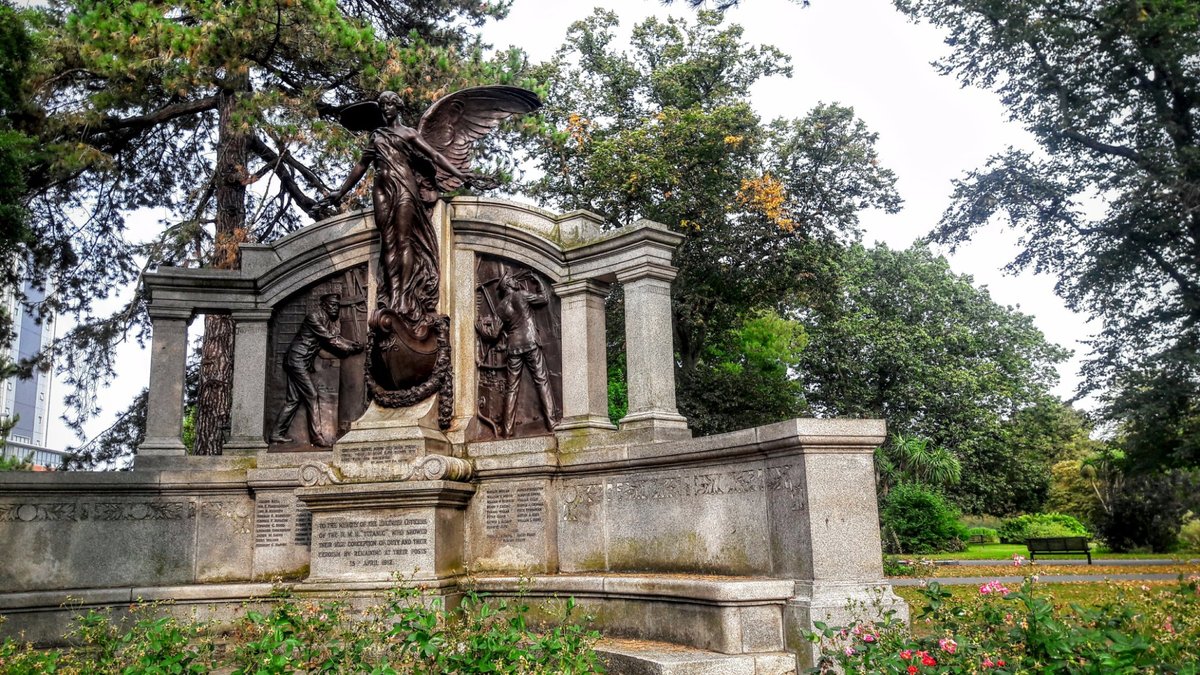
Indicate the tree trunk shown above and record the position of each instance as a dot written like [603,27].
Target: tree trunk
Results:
[213,399]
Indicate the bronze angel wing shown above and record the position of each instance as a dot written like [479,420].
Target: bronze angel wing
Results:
[362,116]
[455,121]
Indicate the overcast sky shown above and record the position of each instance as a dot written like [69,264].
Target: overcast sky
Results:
[860,53]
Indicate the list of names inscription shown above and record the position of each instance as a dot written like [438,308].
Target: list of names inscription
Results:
[514,514]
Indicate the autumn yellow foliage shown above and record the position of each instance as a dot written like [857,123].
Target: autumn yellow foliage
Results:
[766,195]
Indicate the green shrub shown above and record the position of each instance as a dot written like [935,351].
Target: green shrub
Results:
[916,519]
[1023,630]
[986,534]
[1017,530]
[406,634]
[1147,511]
[1189,534]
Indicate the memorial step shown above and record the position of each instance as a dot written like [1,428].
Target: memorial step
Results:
[644,657]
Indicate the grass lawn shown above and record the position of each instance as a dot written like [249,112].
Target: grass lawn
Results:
[1006,551]
[1084,594]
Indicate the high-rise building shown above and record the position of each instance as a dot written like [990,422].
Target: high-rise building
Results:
[28,399]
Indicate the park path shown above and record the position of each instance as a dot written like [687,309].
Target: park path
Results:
[1074,561]
[1042,578]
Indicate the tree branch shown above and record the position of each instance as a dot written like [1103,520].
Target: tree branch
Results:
[1119,150]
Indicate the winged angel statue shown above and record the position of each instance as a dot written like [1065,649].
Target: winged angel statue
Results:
[409,343]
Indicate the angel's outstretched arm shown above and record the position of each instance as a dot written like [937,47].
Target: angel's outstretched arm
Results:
[356,175]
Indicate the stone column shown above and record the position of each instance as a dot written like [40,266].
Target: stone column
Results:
[461,280]
[584,370]
[649,348]
[249,382]
[164,406]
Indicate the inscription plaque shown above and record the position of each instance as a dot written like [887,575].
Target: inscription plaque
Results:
[514,514]
[384,543]
[272,523]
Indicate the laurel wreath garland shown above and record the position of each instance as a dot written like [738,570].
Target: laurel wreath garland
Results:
[441,382]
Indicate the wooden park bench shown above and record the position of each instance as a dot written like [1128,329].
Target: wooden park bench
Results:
[1058,545]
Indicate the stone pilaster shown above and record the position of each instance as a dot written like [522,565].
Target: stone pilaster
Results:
[249,382]
[461,279]
[164,406]
[584,370]
[649,349]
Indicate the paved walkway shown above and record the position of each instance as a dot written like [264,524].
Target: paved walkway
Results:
[1042,578]
[1074,561]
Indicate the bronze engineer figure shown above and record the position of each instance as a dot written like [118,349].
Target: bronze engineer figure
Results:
[516,323]
[318,331]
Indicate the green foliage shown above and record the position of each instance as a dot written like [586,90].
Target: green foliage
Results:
[986,535]
[747,375]
[1024,631]
[663,131]
[1147,511]
[1111,93]
[1071,492]
[909,341]
[188,434]
[909,459]
[405,634]
[1017,530]
[13,463]
[1189,534]
[918,520]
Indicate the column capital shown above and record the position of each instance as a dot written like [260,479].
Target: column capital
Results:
[647,270]
[580,287]
[170,312]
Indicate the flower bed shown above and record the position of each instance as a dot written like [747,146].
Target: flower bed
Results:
[998,629]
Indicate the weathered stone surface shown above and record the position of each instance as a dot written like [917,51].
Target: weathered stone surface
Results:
[509,527]
[639,657]
[710,613]
[79,530]
[382,440]
[246,416]
[376,531]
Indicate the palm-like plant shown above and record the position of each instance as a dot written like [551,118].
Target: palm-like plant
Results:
[913,459]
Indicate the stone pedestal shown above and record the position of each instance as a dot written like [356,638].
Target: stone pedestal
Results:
[386,442]
[365,532]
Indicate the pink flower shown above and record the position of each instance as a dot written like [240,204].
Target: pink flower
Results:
[993,587]
[869,637]
[1018,559]
[906,654]
[948,645]
[988,662]
[850,651]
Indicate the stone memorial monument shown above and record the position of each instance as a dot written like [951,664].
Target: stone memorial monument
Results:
[420,393]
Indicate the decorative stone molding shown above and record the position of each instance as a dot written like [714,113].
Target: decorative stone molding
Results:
[317,473]
[437,467]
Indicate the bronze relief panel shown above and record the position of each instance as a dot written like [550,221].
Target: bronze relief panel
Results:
[315,383]
[518,352]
